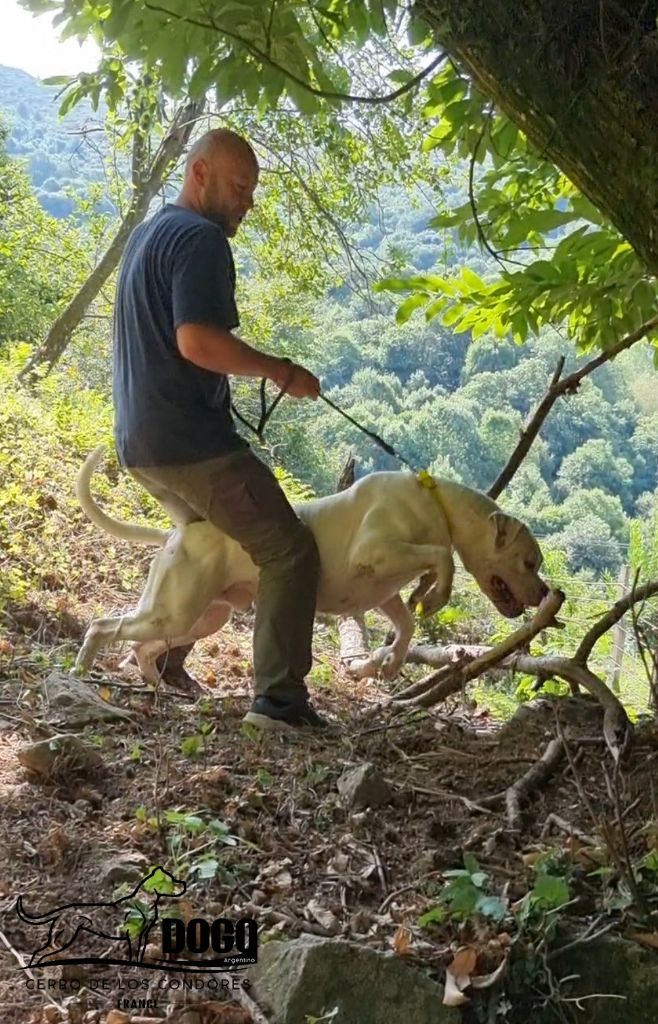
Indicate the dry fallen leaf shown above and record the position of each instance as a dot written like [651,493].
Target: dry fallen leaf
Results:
[324,917]
[464,961]
[105,693]
[458,976]
[117,1017]
[487,980]
[402,940]
[644,938]
[452,994]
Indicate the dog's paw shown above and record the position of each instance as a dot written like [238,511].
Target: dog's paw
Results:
[388,660]
[436,599]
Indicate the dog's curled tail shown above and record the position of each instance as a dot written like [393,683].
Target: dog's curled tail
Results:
[122,531]
[34,918]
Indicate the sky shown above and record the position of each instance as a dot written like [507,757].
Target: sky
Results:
[31,44]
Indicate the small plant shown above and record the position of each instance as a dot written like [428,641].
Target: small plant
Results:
[322,673]
[194,746]
[466,895]
[186,835]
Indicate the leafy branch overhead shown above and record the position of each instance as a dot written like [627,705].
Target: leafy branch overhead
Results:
[254,51]
[560,260]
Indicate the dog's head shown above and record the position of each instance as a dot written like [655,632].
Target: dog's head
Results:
[507,568]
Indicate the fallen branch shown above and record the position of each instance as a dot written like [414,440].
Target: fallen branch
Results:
[520,791]
[462,663]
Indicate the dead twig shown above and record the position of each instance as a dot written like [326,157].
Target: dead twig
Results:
[565,826]
[18,956]
[535,777]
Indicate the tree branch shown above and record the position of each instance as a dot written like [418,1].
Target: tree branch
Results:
[617,612]
[568,385]
[263,56]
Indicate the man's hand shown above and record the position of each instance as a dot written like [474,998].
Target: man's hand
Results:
[297,380]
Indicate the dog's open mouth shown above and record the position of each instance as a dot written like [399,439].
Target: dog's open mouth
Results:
[504,599]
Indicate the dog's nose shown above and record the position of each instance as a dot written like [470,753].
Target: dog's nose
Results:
[544,589]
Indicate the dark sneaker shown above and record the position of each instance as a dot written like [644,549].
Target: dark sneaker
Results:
[270,713]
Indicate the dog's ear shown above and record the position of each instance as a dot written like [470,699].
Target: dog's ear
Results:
[503,525]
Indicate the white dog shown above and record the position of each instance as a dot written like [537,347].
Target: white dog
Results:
[374,538]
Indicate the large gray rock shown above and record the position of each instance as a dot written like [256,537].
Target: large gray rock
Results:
[312,976]
[363,787]
[609,967]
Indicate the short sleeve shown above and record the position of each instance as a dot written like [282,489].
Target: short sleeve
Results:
[203,282]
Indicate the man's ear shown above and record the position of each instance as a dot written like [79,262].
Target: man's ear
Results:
[502,523]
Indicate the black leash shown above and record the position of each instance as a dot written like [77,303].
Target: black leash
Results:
[266,413]
[384,445]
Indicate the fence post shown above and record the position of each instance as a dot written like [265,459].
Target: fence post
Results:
[619,632]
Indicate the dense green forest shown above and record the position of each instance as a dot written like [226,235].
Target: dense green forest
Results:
[62,156]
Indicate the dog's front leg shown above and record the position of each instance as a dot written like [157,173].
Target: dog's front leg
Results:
[389,659]
[438,595]
[393,656]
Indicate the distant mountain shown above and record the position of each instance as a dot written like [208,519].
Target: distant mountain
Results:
[58,157]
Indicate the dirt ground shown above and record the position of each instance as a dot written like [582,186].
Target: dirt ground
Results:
[290,853]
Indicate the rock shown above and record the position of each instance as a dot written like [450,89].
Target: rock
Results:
[59,756]
[312,976]
[124,867]
[117,1017]
[609,966]
[363,787]
[324,917]
[75,703]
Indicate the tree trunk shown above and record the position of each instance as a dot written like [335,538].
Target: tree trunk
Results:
[146,183]
[581,80]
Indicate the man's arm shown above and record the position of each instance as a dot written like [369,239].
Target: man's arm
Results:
[219,350]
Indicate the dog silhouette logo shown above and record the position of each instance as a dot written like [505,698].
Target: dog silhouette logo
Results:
[119,931]
[126,923]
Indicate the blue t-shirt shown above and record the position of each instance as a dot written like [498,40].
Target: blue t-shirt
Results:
[177,268]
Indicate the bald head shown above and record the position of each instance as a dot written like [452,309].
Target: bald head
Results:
[221,145]
[221,174]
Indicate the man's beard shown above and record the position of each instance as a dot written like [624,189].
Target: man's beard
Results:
[219,216]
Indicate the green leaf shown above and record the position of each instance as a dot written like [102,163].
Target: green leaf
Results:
[491,906]
[58,80]
[206,868]
[470,863]
[160,882]
[400,77]
[434,916]
[418,30]
[551,891]
[409,305]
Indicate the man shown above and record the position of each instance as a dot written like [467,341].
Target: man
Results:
[174,349]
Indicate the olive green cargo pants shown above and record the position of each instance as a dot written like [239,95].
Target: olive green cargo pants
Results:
[240,496]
